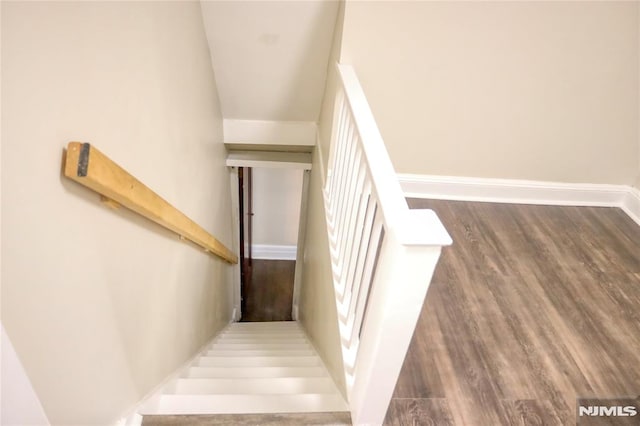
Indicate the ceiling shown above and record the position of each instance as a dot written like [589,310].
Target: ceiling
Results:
[270,57]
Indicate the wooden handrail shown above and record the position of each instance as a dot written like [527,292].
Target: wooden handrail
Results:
[91,168]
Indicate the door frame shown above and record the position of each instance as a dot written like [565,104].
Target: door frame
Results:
[235,229]
[302,231]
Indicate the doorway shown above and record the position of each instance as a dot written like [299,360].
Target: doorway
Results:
[270,201]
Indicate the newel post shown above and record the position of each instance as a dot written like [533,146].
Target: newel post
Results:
[403,274]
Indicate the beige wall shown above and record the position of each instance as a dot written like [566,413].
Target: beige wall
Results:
[317,304]
[276,206]
[325,120]
[101,305]
[523,90]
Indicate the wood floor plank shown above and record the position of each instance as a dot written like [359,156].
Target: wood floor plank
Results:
[420,411]
[532,413]
[269,292]
[530,308]
[290,419]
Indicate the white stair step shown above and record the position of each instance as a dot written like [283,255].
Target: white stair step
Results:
[256,372]
[247,404]
[272,329]
[256,361]
[270,385]
[265,338]
[260,352]
[290,335]
[277,330]
[247,335]
[252,368]
[260,342]
[272,325]
[258,346]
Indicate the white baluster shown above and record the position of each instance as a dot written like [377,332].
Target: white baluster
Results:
[383,254]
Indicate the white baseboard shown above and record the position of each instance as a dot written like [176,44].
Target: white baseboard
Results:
[273,252]
[294,313]
[631,204]
[522,192]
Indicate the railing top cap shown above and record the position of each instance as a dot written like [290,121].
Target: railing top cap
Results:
[422,228]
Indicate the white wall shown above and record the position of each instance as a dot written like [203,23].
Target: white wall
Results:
[259,132]
[270,56]
[102,305]
[276,206]
[523,90]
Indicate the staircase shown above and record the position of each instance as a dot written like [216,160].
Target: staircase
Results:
[249,368]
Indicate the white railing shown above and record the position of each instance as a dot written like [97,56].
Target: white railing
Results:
[383,254]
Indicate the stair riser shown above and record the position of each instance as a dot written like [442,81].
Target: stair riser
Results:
[261,339]
[262,326]
[259,346]
[254,353]
[252,361]
[252,368]
[264,386]
[282,338]
[256,372]
[252,332]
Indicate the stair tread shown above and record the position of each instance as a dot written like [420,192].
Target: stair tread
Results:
[252,368]
[258,338]
[340,418]
[264,324]
[232,341]
[258,361]
[230,404]
[258,346]
[291,335]
[259,352]
[261,339]
[272,329]
[276,327]
[252,385]
[256,372]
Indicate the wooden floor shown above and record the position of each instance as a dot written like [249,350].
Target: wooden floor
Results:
[531,307]
[269,293]
[293,419]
